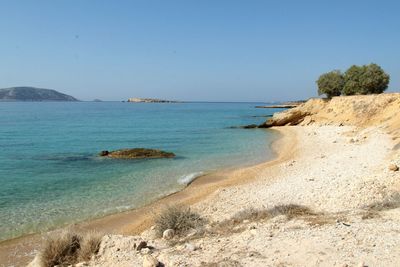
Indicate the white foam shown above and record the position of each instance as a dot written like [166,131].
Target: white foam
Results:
[187,179]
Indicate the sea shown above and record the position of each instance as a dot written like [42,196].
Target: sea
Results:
[51,174]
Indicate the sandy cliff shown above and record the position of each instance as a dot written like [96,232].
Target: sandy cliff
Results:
[363,111]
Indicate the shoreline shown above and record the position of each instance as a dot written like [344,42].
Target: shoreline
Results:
[21,250]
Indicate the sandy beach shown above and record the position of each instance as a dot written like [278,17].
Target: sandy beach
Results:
[338,186]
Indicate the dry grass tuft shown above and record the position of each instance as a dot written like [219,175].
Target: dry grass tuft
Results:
[61,249]
[250,214]
[291,211]
[369,214]
[179,219]
[90,245]
[68,248]
[392,202]
[224,263]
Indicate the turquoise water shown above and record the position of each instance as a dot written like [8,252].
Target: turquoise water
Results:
[50,174]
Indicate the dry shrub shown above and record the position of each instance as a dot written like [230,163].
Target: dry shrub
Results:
[68,248]
[90,245]
[291,211]
[224,263]
[250,214]
[61,249]
[179,219]
[391,202]
[369,214]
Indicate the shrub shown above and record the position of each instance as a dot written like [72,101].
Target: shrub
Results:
[68,248]
[179,219]
[331,83]
[60,249]
[291,211]
[90,245]
[366,79]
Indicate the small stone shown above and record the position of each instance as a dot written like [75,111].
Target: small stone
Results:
[150,261]
[361,264]
[81,264]
[393,167]
[190,247]
[142,245]
[145,251]
[191,233]
[168,234]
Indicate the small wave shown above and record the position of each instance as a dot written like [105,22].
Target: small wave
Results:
[187,179]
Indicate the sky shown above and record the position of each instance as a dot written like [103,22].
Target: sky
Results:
[193,50]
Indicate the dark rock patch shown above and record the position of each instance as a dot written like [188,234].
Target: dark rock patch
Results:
[136,153]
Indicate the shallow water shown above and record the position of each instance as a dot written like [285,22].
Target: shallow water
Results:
[50,174]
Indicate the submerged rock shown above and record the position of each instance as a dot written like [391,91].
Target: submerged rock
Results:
[136,153]
[250,126]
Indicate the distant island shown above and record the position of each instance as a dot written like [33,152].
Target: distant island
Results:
[33,94]
[151,100]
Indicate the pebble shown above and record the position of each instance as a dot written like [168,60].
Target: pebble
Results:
[190,247]
[150,261]
[393,167]
[168,234]
[145,251]
[142,245]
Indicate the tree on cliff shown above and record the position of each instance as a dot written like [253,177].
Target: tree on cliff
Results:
[331,83]
[366,79]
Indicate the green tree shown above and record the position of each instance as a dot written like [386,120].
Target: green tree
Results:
[331,83]
[366,79]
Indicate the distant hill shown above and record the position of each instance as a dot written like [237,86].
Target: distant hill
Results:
[33,94]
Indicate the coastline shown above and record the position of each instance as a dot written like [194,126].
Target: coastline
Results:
[328,170]
[21,250]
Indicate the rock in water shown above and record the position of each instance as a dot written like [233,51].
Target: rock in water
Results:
[103,153]
[136,153]
[250,126]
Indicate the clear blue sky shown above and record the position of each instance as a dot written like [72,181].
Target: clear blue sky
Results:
[193,50]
